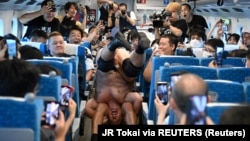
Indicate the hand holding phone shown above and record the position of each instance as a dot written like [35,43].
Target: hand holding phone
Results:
[12,48]
[162,92]
[52,113]
[66,93]
[196,110]
[219,56]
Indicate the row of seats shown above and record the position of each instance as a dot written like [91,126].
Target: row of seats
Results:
[205,72]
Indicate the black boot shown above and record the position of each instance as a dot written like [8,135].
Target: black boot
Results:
[144,43]
[119,41]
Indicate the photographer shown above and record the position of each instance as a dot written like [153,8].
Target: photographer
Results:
[125,19]
[43,19]
[174,25]
[108,14]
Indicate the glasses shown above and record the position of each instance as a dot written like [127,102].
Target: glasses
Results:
[208,50]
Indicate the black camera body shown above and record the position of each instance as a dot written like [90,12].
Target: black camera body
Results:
[124,12]
[158,18]
[111,7]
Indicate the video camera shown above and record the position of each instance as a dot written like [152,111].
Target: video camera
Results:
[158,18]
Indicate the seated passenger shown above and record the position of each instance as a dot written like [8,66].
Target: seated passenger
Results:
[116,72]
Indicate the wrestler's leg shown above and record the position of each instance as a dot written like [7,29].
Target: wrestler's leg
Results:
[136,100]
[101,112]
[90,108]
[119,40]
[129,115]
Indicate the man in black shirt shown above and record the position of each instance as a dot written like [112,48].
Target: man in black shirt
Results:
[43,19]
[193,21]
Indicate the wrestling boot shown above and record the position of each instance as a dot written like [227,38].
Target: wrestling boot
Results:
[144,43]
[119,41]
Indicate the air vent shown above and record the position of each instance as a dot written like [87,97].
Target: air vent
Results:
[225,10]
[198,10]
[205,10]
[20,1]
[31,2]
[214,10]
[238,10]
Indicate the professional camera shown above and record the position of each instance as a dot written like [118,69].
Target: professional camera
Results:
[123,12]
[111,7]
[158,18]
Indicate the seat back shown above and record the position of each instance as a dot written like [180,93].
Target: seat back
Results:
[158,61]
[18,113]
[41,46]
[227,91]
[229,61]
[50,86]
[237,74]
[21,134]
[214,110]
[65,67]
[203,72]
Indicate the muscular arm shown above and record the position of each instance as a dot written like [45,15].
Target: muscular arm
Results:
[99,115]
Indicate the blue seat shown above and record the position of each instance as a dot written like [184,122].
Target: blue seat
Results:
[246,86]
[79,50]
[41,46]
[214,110]
[229,61]
[203,72]
[228,91]
[237,74]
[50,86]
[65,67]
[158,61]
[74,60]
[18,113]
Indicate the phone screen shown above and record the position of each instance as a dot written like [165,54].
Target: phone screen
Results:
[66,94]
[219,56]
[196,110]
[52,113]
[162,91]
[12,49]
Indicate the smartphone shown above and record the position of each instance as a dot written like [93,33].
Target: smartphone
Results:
[52,113]
[219,56]
[196,110]
[12,48]
[162,91]
[66,94]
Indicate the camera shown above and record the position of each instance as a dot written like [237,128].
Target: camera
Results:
[111,7]
[158,18]
[123,12]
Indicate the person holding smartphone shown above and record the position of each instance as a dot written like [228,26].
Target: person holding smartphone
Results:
[214,48]
[180,95]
